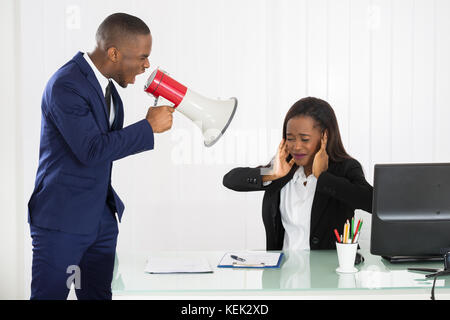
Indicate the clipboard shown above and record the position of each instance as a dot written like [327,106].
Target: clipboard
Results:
[253,260]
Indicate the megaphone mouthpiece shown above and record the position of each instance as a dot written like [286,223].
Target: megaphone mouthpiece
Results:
[161,84]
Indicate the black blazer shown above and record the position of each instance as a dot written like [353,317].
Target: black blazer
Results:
[339,191]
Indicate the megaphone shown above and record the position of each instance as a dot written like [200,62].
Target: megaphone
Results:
[212,116]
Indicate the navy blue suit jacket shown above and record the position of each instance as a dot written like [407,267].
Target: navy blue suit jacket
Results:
[77,148]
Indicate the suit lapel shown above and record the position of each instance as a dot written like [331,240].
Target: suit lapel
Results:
[90,76]
[320,201]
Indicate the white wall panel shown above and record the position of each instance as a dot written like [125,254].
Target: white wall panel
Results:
[442,89]
[11,228]
[317,46]
[402,80]
[424,81]
[339,61]
[380,28]
[359,143]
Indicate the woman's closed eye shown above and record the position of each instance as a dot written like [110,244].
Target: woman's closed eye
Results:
[293,139]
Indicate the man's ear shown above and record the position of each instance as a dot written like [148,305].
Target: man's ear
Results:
[113,54]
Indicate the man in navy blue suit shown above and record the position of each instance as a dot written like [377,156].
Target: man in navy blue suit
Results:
[72,210]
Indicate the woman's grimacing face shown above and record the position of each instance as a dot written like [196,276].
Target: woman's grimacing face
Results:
[303,140]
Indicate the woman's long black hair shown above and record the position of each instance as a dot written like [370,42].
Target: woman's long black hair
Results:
[322,113]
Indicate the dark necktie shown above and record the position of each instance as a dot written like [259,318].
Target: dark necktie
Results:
[108,98]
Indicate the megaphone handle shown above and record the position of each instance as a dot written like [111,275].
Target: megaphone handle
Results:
[156,101]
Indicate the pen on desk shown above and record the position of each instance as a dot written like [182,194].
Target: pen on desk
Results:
[237,258]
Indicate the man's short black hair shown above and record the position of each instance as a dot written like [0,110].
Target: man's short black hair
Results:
[118,27]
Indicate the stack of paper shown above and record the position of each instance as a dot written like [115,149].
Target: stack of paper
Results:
[157,264]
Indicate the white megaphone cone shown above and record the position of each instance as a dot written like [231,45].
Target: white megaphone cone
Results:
[212,116]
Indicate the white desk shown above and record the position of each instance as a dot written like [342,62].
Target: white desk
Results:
[306,275]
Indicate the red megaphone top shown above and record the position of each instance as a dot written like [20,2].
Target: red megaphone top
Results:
[160,84]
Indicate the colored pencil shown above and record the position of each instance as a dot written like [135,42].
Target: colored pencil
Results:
[352,228]
[337,235]
[346,231]
[358,226]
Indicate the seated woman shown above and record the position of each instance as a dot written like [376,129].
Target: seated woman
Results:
[312,186]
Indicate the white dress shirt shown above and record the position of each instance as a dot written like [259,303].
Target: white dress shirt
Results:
[103,81]
[296,201]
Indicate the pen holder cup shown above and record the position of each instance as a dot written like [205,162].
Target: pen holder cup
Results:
[346,253]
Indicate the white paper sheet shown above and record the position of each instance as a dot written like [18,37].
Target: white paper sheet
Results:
[156,264]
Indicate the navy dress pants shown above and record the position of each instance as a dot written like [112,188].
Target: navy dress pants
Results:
[87,261]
